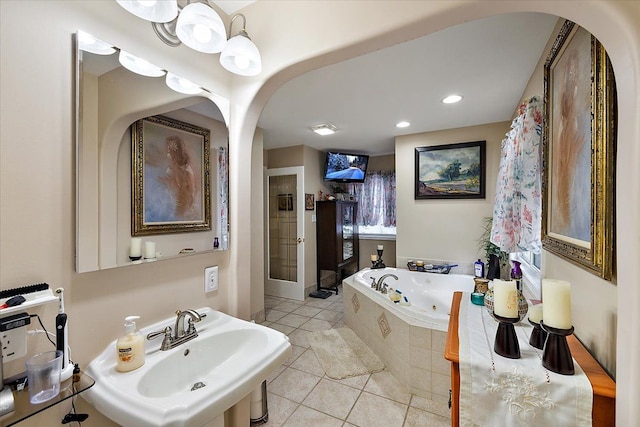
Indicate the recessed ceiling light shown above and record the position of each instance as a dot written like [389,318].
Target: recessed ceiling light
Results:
[403,124]
[324,129]
[451,99]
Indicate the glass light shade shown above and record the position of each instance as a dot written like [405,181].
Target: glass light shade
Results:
[139,65]
[152,10]
[452,99]
[201,28]
[182,85]
[91,44]
[241,56]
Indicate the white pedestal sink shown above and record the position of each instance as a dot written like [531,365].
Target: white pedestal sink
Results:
[192,384]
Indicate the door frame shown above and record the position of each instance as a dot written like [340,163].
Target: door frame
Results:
[277,287]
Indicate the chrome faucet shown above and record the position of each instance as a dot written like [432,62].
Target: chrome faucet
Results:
[380,285]
[179,335]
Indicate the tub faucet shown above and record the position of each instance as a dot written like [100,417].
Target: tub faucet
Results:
[380,283]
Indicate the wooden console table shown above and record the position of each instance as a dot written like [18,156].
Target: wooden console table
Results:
[604,388]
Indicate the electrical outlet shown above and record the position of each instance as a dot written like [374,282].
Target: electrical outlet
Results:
[211,279]
[14,344]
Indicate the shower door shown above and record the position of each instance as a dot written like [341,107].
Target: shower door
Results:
[285,232]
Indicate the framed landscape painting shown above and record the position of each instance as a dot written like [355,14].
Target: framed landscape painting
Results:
[170,177]
[451,171]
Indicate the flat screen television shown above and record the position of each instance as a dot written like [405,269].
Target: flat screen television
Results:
[345,167]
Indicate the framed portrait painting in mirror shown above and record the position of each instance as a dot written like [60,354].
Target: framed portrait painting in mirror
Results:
[170,182]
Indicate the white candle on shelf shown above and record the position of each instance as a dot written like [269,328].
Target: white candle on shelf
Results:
[380,247]
[535,313]
[135,249]
[149,250]
[374,257]
[505,298]
[556,296]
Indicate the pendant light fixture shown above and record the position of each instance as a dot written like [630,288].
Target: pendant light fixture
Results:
[241,56]
[152,10]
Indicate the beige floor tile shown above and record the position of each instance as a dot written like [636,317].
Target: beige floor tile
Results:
[375,411]
[293,384]
[419,418]
[299,337]
[316,325]
[274,374]
[332,398]
[307,417]
[296,351]
[274,315]
[438,408]
[282,328]
[386,385]
[270,302]
[293,320]
[307,311]
[288,306]
[319,302]
[328,315]
[308,362]
[337,306]
[279,410]
[356,382]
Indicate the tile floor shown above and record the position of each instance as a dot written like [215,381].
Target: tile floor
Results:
[300,394]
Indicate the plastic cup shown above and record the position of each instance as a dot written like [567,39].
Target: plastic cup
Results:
[43,374]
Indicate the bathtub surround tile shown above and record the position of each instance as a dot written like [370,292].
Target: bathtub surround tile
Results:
[275,315]
[384,384]
[440,384]
[304,416]
[420,393]
[332,398]
[280,409]
[438,340]
[439,364]
[307,311]
[438,398]
[419,418]
[308,362]
[420,337]
[355,303]
[293,384]
[384,326]
[293,320]
[421,379]
[282,328]
[375,411]
[420,358]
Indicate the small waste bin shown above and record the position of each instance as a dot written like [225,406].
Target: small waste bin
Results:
[259,413]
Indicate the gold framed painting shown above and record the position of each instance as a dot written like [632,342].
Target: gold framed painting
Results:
[170,180]
[579,152]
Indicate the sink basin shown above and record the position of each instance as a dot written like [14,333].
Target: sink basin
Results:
[192,384]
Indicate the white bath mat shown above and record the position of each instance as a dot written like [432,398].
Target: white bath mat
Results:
[343,354]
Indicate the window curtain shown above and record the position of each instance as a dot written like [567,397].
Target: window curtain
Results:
[377,199]
[518,204]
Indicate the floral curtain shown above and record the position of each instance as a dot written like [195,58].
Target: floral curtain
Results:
[518,203]
[377,199]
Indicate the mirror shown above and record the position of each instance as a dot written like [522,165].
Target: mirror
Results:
[109,101]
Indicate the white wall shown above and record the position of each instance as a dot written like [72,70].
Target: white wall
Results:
[444,230]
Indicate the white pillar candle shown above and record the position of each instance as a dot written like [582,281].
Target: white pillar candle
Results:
[535,313]
[505,298]
[380,247]
[149,250]
[135,250]
[374,257]
[556,296]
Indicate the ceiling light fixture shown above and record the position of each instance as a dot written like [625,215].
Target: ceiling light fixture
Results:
[324,129]
[241,56]
[199,27]
[403,124]
[182,85]
[139,65]
[451,99]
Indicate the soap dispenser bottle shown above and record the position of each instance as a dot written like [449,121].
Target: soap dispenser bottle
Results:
[130,347]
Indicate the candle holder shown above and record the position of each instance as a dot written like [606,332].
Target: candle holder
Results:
[556,355]
[538,336]
[506,342]
[378,263]
[135,258]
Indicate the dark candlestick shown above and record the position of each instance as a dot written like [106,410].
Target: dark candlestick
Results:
[538,336]
[556,355]
[506,342]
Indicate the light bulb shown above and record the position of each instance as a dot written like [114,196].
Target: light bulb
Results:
[242,62]
[202,33]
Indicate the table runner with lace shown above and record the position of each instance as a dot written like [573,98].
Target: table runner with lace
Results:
[498,391]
